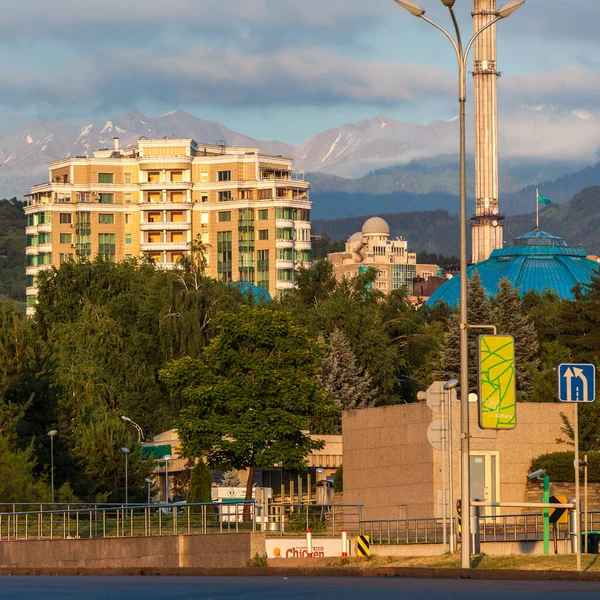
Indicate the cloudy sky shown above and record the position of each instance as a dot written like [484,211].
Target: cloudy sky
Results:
[279,69]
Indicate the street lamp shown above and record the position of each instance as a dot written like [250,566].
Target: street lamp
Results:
[167,458]
[51,434]
[139,429]
[126,452]
[462,55]
[149,482]
[450,385]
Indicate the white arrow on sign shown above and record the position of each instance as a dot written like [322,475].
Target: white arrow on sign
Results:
[568,375]
[584,381]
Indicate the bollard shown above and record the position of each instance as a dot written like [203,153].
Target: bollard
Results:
[475,536]
[573,529]
[344,543]
[309,551]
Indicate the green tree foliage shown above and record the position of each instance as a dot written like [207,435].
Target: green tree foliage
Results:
[338,480]
[99,444]
[339,377]
[559,466]
[12,249]
[250,396]
[200,484]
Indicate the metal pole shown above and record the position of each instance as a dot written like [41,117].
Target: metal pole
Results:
[444,499]
[585,500]
[577,501]
[450,470]
[126,486]
[148,493]
[166,481]
[546,515]
[52,465]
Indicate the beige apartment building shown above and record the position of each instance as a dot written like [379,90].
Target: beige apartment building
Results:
[154,198]
[372,248]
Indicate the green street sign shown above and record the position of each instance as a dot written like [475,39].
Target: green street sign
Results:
[497,389]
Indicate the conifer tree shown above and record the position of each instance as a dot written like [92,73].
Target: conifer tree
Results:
[510,320]
[346,383]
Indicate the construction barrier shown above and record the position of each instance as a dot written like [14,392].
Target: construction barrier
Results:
[363,543]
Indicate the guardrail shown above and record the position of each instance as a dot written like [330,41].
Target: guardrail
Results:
[92,521]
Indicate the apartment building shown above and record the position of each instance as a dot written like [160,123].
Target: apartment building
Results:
[372,247]
[154,198]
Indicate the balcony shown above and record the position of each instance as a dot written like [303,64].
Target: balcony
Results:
[160,246]
[145,205]
[158,186]
[44,227]
[284,264]
[303,245]
[36,270]
[284,244]
[289,223]
[31,230]
[31,291]
[285,285]
[30,250]
[165,226]
[43,248]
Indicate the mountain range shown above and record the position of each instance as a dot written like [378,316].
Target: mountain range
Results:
[375,165]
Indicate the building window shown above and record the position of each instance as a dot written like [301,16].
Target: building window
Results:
[224,175]
[284,213]
[64,218]
[204,198]
[154,217]
[83,197]
[128,240]
[106,246]
[204,177]
[265,194]
[263,234]
[379,250]
[66,238]
[285,274]
[106,198]
[263,214]
[66,257]
[223,217]
[32,240]
[128,178]
[262,272]
[224,196]
[224,255]
[106,219]
[106,177]
[44,238]
[176,176]
[153,176]
[284,233]
[127,197]
[127,218]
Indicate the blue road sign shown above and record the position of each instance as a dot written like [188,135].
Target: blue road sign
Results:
[576,383]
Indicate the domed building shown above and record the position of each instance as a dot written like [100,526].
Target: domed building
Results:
[372,248]
[535,261]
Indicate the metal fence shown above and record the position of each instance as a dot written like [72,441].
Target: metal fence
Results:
[73,521]
[492,528]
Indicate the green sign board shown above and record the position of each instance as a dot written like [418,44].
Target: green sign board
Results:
[497,390]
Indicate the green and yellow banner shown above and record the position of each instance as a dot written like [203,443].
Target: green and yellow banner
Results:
[497,388]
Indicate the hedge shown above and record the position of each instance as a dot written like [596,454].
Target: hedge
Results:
[559,466]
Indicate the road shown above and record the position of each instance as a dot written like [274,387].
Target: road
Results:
[289,588]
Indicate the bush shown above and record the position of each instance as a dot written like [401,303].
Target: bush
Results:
[338,480]
[559,466]
[200,484]
[257,561]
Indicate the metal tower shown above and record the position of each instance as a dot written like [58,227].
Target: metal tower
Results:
[486,233]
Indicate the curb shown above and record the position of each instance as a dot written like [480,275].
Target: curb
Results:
[400,572]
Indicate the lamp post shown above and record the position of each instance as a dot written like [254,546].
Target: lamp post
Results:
[51,434]
[167,458]
[450,385]
[149,482]
[462,55]
[138,428]
[126,452]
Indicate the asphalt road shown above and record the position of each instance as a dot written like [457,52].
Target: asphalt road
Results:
[289,588]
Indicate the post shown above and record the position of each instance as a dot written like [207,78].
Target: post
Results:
[52,465]
[465,483]
[344,543]
[585,501]
[444,498]
[309,550]
[126,483]
[546,500]
[475,529]
[450,471]
[166,481]
[577,501]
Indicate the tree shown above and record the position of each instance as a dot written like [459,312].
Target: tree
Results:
[346,383]
[479,313]
[314,283]
[200,484]
[248,399]
[510,320]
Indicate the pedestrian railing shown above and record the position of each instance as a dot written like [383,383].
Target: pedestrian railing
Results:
[72,522]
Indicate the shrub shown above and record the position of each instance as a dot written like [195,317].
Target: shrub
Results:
[200,484]
[257,561]
[559,466]
[338,480]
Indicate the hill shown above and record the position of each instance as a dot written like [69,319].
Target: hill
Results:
[577,221]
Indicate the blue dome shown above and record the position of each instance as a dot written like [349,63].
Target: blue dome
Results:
[535,261]
[257,294]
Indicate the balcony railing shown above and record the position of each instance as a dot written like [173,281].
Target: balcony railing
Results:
[165,225]
[158,246]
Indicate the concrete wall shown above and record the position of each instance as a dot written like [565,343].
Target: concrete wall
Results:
[391,469]
[388,462]
[226,550]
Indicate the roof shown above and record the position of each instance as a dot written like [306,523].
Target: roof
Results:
[376,226]
[257,294]
[535,261]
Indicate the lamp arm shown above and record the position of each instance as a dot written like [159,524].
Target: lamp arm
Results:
[477,34]
[457,29]
[452,41]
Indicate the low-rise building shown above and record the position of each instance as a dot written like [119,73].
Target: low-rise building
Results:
[372,247]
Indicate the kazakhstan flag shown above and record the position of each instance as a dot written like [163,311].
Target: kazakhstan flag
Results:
[543,199]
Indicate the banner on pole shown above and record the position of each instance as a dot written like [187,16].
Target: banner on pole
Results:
[497,387]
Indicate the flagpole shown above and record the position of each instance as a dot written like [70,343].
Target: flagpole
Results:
[537,209]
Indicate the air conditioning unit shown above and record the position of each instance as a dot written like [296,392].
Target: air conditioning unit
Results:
[72,245]
[204,224]
[72,225]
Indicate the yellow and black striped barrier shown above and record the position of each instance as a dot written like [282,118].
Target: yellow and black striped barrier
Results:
[363,544]
[459,519]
